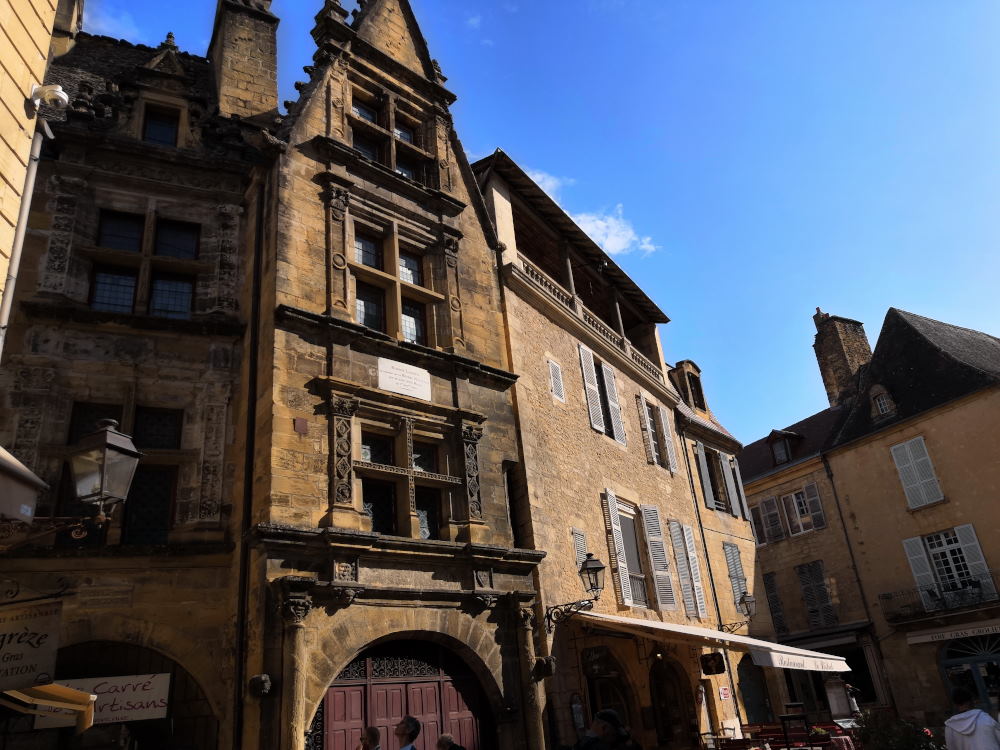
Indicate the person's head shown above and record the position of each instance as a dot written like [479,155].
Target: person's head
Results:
[445,741]
[607,725]
[962,699]
[371,737]
[407,730]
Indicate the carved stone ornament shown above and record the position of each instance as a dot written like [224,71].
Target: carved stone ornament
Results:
[344,596]
[296,607]
[527,618]
[345,571]
[344,407]
[487,601]
[484,579]
[338,199]
[450,247]
[471,435]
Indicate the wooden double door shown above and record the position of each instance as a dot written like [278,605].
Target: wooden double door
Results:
[382,693]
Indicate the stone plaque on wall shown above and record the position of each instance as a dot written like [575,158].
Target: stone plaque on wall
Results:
[407,380]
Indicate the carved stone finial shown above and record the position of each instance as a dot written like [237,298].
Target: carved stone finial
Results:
[296,608]
[170,42]
[437,71]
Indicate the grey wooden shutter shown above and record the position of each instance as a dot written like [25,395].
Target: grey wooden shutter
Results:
[758,525]
[579,546]
[646,426]
[706,480]
[923,575]
[556,381]
[734,495]
[683,569]
[657,546]
[792,515]
[916,472]
[620,563]
[815,506]
[773,529]
[668,439]
[592,389]
[739,487]
[614,406]
[695,565]
[974,558]
[737,577]
[774,603]
[816,595]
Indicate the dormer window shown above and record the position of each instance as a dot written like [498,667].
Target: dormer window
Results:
[161,126]
[780,451]
[697,394]
[882,405]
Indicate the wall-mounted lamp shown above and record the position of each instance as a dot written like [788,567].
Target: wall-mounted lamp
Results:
[746,606]
[592,576]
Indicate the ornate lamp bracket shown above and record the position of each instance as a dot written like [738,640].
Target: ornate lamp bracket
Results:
[561,612]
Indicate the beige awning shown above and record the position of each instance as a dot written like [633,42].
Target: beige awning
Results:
[35,700]
[763,653]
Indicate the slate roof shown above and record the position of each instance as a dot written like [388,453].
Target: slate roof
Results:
[805,439]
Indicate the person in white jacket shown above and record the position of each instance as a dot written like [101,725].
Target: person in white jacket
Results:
[971,728]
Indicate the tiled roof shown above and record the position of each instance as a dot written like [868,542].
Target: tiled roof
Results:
[808,437]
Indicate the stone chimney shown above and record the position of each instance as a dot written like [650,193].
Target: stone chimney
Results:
[244,54]
[841,349]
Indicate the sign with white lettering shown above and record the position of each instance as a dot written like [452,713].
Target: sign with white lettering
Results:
[404,379]
[29,639]
[796,661]
[119,699]
[990,627]
[724,693]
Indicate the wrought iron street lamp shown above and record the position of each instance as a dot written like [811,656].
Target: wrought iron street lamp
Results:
[592,576]
[103,465]
[746,606]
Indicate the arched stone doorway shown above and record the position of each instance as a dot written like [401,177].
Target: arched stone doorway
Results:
[753,689]
[189,723]
[393,679]
[607,685]
[673,706]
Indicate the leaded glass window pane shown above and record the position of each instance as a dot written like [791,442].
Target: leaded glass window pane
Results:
[161,126]
[171,297]
[158,429]
[177,239]
[425,457]
[364,112]
[404,133]
[121,231]
[410,269]
[379,502]
[367,148]
[368,251]
[413,323]
[377,449]
[406,170]
[370,306]
[113,291]
[428,502]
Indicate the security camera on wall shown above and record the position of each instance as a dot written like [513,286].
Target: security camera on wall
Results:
[50,96]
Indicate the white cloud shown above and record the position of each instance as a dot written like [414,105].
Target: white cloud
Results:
[474,22]
[550,183]
[613,232]
[104,20]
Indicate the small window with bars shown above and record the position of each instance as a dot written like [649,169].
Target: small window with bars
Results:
[171,296]
[113,290]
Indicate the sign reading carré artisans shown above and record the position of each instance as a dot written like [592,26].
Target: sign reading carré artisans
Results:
[119,699]
[29,640]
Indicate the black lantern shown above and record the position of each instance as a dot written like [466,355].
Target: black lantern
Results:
[592,575]
[747,605]
[103,465]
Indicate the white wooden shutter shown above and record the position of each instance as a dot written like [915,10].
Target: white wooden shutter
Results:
[614,406]
[815,506]
[737,577]
[774,531]
[923,575]
[792,514]
[734,495]
[668,439]
[916,472]
[706,480]
[593,390]
[647,427]
[976,561]
[556,381]
[579,546]
[657,546]
[620,563]
[695,565]
[683,569]
[739,487]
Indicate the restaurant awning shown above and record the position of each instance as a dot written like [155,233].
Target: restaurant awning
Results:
[34,700]
[763,653]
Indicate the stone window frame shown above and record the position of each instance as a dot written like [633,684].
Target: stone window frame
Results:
[164,102]
[645,572]
[882,404]
[392,147]
[390,280]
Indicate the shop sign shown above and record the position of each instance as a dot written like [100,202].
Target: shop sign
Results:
[399,377]
[795,661]
[119,699]
[29,640]
[937,636]
[724,693]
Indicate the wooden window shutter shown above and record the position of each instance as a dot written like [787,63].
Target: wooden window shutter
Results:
[619,567]
[923,574]
[774,603]
[974,558]
[706,479]
[646,427]
[758,525]
[792,515]
[614,406]
[556,381]
[579,546]
[668,439]
[695,565]
[734,495]
[592,389]
[737,577]
[739,488]
[916,472]
[815,506]
[657,547]
[683,569]
[816,595]
[774,531]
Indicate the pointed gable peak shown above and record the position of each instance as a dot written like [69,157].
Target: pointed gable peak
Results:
[391,27]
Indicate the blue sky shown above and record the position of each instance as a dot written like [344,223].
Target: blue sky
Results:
[745,161]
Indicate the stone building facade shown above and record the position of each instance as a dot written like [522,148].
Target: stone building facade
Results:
[875,522]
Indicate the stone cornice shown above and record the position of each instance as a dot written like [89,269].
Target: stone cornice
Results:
[72,312]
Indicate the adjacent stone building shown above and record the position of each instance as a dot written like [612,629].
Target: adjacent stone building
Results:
[875,521]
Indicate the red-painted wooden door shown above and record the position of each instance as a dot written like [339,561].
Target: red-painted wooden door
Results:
[424,704]
[345,717]
[460,712]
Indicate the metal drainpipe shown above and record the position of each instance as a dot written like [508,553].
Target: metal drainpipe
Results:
[711,577]
[19,232]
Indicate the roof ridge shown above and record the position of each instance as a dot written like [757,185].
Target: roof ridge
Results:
[907,313]
[85,35]
[946,352]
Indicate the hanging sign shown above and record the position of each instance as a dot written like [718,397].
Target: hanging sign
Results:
[119,699]
[987,627]
[29,640]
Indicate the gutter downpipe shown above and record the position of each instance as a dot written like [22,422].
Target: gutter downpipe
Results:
[711,580]
[21,230]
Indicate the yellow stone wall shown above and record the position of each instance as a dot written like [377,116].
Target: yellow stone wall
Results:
[25,33]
